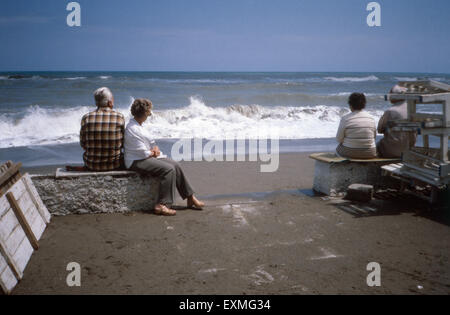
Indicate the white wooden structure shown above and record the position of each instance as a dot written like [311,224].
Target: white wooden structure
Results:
[23,219]
[424,164]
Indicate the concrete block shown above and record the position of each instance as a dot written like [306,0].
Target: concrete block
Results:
[96,192]
[334,178]
[359,192]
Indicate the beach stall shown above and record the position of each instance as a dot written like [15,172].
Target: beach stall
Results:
[429,116]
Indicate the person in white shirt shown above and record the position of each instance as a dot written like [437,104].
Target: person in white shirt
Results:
[141,155]
[357,131]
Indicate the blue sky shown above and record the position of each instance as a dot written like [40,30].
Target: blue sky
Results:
[225,35]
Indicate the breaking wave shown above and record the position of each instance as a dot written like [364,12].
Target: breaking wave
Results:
[352,79]
[40,126]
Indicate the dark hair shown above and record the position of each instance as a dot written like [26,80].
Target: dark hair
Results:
[141,107]
[357,101]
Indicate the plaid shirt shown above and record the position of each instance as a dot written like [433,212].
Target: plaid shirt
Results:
[101,137]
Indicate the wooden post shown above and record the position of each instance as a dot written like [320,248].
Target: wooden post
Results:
[23,221]
[426,142]
[444,146]
[411,108]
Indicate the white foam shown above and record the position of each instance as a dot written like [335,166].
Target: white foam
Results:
[53,126]
[352,79]
[405,78]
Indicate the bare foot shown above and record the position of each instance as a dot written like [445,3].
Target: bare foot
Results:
[163,210]
[194,203]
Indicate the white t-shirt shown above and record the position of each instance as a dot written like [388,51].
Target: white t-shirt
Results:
[137,144]
[357,130]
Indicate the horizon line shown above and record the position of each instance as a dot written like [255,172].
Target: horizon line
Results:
[219,71]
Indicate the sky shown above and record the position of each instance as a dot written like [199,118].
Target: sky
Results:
[225,35]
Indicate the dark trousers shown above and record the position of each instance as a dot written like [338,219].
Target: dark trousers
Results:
[171,176]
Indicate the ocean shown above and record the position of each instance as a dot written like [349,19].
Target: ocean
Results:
[40,112]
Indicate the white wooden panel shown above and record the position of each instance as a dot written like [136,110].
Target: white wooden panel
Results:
[8,257]
[14,240]
[7,278]
[4,205]
[7,224]
[18,189]
[25,203]
[3,264]
[37,199]
[37,224]
[23,254]
[14,243]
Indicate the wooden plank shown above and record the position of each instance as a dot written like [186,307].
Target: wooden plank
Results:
[434,174]
[401,97]
[4,177]
[413,155]
[5,166]
[433,131]
[424,116]
[333,158]
[432,124]
[43,211]
[23,222]
[434,98]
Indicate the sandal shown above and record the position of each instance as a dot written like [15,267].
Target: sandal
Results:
[163,210]
[191,205]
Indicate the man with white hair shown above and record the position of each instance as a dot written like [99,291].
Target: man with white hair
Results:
[102,133]
[395,142]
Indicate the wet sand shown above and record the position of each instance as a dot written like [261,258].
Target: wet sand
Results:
[285,242]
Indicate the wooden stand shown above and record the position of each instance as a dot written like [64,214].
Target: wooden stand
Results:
[428,165]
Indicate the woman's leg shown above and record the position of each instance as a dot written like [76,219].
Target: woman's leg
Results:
[184,188]
[163,171]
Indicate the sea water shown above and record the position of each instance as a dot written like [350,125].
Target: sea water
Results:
[40,112]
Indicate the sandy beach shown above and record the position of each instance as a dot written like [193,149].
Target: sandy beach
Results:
[261,233]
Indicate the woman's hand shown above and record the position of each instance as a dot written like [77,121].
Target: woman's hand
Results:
[155,152]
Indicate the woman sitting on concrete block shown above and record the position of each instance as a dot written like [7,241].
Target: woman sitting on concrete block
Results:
[357,131]
[142,156]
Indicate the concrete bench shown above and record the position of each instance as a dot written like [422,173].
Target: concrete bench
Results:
[96,192]
[333,174]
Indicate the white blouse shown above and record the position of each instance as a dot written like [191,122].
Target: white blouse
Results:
[137,144]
